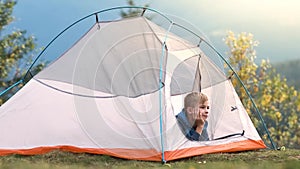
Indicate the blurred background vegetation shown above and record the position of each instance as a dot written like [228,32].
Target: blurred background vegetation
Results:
[277,101]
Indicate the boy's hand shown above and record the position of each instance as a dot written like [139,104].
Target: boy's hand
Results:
[199,121]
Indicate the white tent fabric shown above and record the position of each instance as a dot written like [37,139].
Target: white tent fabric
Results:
[117,91]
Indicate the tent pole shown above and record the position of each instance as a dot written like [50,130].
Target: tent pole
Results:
[161,84]
[161,106]
[10,87]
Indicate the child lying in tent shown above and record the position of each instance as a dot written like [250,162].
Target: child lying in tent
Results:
[192,118]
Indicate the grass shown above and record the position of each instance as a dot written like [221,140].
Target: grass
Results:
[265,159]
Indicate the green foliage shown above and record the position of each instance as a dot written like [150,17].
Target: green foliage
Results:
[132,12]
[276,100]
[5,12]
[15,50]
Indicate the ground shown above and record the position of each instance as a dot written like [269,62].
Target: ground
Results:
[267,159]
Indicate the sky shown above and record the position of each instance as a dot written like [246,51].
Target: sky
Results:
[274,23]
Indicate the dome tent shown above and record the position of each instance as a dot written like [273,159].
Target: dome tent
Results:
[117,90]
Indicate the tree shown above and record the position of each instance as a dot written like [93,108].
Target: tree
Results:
[15,50]
[132,11]
[278,103]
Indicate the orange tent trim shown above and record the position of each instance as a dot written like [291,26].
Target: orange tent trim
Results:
[143,154]
[222,148]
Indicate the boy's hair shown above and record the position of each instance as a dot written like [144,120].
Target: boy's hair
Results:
[193,99]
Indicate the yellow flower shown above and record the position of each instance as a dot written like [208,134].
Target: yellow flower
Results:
[283,97]
[278,115]
[295,93]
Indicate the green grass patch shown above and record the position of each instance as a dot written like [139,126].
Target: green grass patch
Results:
[263,159]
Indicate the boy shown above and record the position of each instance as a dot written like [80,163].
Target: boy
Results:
[192,118]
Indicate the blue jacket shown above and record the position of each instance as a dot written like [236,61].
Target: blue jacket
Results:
[189,131]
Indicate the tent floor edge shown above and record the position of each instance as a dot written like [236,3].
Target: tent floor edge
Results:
[131,154]
[238,146]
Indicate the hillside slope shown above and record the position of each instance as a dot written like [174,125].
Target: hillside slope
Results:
[290,70]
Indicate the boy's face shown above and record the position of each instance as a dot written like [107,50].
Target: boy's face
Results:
[203,110]
[200,111]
